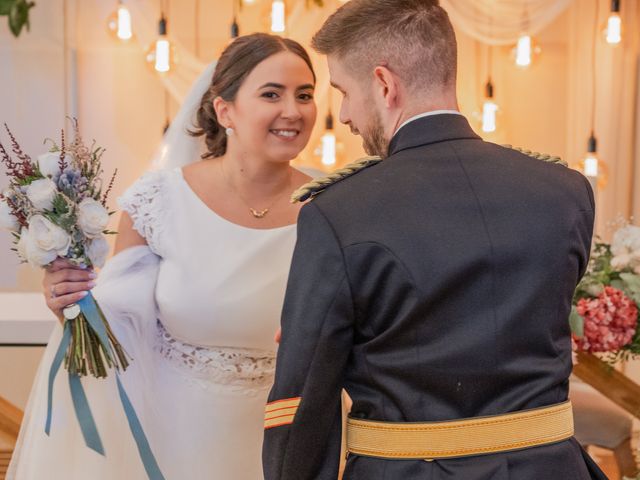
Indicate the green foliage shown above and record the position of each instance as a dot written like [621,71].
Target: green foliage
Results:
[62,215]
[18,13]
[576,322]
[30,179]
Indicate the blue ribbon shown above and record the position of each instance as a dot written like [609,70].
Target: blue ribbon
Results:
[85,418]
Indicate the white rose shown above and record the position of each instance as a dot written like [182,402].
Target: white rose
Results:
[36,256]
[92,217]
[97,250]
[47,236]
[621,261]
[7,220]
[29,251]
[625,247]
[49,164]
[41,193]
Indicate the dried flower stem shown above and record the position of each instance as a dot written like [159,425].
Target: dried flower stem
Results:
[106,194]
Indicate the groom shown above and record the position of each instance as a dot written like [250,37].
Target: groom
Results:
[434,286]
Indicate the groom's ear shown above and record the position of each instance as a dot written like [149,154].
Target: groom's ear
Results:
[387,84]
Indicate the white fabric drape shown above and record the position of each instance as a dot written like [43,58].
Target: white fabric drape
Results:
[500,22]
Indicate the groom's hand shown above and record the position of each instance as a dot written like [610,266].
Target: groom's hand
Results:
[278,335]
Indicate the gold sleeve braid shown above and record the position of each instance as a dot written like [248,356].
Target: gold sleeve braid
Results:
[313,188]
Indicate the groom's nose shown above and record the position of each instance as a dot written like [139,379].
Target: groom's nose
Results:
[344,115]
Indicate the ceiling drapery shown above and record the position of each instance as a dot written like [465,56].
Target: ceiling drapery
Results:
[500,22]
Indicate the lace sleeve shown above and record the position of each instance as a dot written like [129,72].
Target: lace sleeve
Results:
[143,201]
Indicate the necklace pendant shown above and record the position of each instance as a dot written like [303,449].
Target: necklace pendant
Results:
[259,213]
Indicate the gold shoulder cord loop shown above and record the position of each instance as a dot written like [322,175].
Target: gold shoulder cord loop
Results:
[538,156]
[314,187]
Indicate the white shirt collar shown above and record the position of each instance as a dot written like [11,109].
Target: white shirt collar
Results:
[426,114]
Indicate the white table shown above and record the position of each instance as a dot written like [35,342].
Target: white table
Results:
[25,319]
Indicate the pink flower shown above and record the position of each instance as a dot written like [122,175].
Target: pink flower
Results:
[610,321]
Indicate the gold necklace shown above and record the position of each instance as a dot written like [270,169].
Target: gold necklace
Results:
[256,213]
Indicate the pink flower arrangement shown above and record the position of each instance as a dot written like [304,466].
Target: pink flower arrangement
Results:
[610,321]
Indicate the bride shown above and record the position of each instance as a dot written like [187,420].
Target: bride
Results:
[195,288]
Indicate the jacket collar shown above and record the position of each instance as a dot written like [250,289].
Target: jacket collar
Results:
[431,129]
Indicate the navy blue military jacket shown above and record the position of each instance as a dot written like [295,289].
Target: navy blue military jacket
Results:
[434,285]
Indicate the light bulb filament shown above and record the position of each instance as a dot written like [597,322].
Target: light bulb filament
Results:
[614,29]
[591,167]
[162,55]
[277,16]
[489,110]
[124,24]
[328,149]
[523,51]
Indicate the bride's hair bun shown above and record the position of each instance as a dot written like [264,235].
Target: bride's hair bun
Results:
[236,62]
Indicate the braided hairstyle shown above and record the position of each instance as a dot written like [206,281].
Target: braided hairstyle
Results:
[236,62]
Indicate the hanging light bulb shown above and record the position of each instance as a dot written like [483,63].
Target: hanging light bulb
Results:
[591,163]
[613,30]
[525,51]
[278,16]
[161,53]
[328,142]
[119,23]
[592,166]
[489,110]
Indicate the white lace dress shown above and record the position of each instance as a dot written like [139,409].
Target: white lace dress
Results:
[197,310]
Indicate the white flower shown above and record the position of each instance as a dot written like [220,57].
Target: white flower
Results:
[41,193]
[49,164]
[29,251]
[97,250]
[7,220]
[92,217]
[47,236]
[38,257]
[625,247]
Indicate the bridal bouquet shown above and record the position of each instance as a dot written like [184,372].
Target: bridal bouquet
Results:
[604,315]
[55,207]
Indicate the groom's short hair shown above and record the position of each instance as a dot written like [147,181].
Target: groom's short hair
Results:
[413,38]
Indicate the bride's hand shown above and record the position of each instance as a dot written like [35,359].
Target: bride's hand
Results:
[64,284]
[278,336]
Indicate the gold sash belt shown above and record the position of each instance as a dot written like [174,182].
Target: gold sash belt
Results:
[460,438]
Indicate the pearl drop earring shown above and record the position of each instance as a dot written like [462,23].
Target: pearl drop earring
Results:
[229,131]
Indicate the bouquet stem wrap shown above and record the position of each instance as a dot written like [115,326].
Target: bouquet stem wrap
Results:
[87,345]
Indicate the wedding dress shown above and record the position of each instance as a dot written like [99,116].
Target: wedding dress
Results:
[197,310]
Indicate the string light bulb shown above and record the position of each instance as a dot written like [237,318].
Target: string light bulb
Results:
[328,148]
[278,24]
[591,161]
[592,166]
[161,53]
[525,51]
[119,23]
[489,110]
[613,29]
